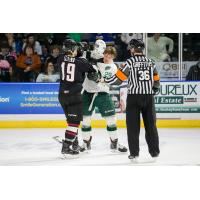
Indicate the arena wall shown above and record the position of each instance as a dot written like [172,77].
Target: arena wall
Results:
[35,105]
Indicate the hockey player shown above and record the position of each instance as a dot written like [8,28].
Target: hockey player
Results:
[96,94]
[72,74]
[143,83]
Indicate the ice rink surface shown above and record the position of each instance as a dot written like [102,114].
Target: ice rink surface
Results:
[29,147]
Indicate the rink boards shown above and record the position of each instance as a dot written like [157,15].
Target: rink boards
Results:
[57,121]
[35,105]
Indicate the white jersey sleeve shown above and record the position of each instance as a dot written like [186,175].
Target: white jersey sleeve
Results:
[106,70]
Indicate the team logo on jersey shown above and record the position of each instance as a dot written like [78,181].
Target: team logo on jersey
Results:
[107,73]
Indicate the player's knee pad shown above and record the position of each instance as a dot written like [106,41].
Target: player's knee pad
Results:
[111,127]
[86,135]
[86,127]
[111,122]
[72,130]
[73,125]
[86,123]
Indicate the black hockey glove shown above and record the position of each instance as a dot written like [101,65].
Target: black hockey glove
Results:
[94,76]
[155,90]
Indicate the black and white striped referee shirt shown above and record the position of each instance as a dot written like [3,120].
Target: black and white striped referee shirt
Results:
[141,73]
[194,73]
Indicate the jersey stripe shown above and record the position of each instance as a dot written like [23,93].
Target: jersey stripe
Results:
[141,78]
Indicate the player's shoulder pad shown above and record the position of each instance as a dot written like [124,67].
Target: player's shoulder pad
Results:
[95,61]
[117,65]
[81,60]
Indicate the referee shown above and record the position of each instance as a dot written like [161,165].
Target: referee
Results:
[143,83]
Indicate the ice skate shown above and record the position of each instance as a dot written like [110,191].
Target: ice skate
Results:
[154,156]
[133,159]
[75,145]
[86,146]
[115,146]
[68,151]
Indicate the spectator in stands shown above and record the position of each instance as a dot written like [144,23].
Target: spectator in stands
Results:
[194,72]
[8,38]
[30,41]
[11,41]
[120,47]
[157,48]
[5,71]
[29,64]
[45,54]
[126,38]
[7,62]
[45,39]
[58,38]
[49,74]
[18,43]
[86,37]
[108,38]
[55,52]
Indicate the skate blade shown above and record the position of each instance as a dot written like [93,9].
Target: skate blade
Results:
[117,151]
[87,151]
[154,159]
[69,156]
[149,161]
[114,151]
[84,150]
[133,161]
[57,139]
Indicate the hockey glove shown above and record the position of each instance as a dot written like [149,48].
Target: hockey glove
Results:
[94,76]
[155,90]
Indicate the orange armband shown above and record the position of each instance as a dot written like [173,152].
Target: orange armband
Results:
[120,75]
[156,77]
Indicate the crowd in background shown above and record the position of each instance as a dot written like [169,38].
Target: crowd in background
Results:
[33,57]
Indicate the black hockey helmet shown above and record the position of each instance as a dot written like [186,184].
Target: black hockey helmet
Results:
[69,45]
[80,49]
[82,46]
[136,43]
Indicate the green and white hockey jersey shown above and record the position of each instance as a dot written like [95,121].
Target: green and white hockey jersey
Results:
[106,71]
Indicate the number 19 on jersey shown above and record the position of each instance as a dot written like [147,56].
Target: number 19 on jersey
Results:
[68,71]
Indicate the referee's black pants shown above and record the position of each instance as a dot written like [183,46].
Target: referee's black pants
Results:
[144,104]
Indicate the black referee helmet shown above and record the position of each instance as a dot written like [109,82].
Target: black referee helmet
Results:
[136,44]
